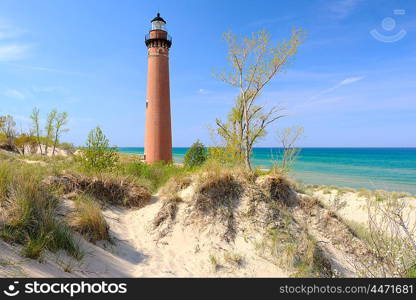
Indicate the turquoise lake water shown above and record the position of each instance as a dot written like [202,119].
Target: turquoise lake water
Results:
[371,168]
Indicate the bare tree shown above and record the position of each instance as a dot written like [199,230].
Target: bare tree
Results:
[60,120]
[288,138]
[36,127]
[254,62]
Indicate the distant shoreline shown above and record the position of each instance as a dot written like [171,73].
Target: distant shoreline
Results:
[392,169]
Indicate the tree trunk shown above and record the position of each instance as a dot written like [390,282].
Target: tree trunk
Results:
[246,140]
[247,161]
[40,145]
[54,143]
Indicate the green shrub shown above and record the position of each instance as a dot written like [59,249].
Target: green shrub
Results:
[196,155]
[97,155]
[151,176]
[35,246]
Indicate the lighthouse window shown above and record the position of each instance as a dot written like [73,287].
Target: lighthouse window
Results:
[158,25]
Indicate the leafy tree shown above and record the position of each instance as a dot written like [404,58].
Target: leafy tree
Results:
[222,150]
[254,62]
[97,154]
[60,121]
[49,128]
[196,155]
[36,127]
[221,154]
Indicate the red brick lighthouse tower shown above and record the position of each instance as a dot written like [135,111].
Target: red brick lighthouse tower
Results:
[158,136]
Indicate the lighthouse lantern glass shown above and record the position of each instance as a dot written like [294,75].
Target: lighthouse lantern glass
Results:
[158,25]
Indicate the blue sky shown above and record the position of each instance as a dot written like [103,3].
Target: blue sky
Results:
[88,57]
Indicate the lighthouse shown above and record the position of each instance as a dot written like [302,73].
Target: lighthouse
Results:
[158,135]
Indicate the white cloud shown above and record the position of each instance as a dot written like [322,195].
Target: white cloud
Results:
[346,81]
[12,52]
[350,80]
[343,8]
[322,99]
[14,94]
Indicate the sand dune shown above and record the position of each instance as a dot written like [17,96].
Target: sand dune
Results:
[136,252]
[190,245]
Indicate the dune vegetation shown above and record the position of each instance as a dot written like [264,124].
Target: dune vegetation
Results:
[51,204]
[109,214]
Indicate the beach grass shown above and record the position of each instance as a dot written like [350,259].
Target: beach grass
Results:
[31,204]
[88,219]
[29,212]
[151,176]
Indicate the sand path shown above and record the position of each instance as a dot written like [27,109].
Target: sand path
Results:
[135,252]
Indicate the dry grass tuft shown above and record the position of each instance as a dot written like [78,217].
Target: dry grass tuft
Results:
[216,196]
[270,198]
[278,188]
[111,189]
[167,212]
[308,203]
[234,259]
[215,192]
[175,184]
[88,219]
